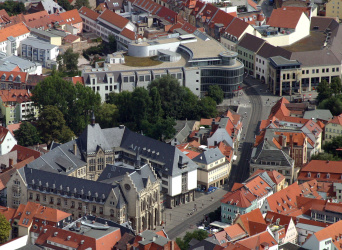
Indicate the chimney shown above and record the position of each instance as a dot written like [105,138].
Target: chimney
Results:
[75,148]
[92,119]
[10,162]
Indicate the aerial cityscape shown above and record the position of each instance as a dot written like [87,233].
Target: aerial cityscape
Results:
[170,124]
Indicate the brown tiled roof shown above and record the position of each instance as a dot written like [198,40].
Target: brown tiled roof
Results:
[25,153]
[282,18]
[6,176]
[114,19]
[267,50]
[35,16]
[251,42]
[259,241]
[129,34]
[236,27]
[253,216]
[234,231]
[15,95]
[71,17]
[167,14]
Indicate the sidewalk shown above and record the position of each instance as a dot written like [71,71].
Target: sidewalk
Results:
[176,216]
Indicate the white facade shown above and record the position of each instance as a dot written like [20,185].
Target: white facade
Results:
[314,244]
[175,185]
[302,30]
[7,48]
[261,67]
[192,179]
[148,50]
[7,143]
[27,109]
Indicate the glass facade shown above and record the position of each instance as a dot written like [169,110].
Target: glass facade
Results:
[229,79]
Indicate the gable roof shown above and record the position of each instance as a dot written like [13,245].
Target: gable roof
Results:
[240,198]
[234,231]
[267,50]
[89,13]
[253,216]
[236,27]
[333,231]
[35,16]
[258,187]
[114,19]
[259,241]
[209,156]
[24,153]
[14,31]
[92,138]
[336,120]
[167,14]
[71,17]
[251,42]
[283,18]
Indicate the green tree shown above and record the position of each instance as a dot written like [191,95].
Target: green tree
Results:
[5,229]
[27,135]
[197,234]
[336,85]
[325,157]
[216,93]
[65,4]
[13,8]
[156,111]
[324,91]
[52,126]
[123,102]
[107,115]
[74,101]
[162,129]
[207,107]
[80,3]
[141,103]
[334,104]
[332,146]
[68,61]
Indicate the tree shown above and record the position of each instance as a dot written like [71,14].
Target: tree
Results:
[107,115]
[197,234]
[324,91]
[80,3]
[65,4]
[325,157]
[162,129]
[123,102]
[334,104]
[74,101]
[216,93]
[52,127]
[336,85]
[207,107]
[5,229]
[27,135]
[156,111]
[68,61]
[13,8]
[141,103]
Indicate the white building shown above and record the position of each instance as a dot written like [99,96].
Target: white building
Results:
[38,50]
[7,141]
[10,38]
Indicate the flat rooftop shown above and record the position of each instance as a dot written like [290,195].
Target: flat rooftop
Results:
[314,41]
[91,229]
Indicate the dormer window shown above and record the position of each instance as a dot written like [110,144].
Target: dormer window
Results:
[328,176]
[318,175]
[3,77]
[309,174]
[10,78]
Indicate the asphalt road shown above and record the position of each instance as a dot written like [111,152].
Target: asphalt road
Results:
[240,171]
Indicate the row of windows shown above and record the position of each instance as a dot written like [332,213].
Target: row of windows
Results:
[316,71]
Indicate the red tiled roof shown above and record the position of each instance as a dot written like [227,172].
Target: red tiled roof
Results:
[236,28]
[336,120]
[89,13]
[6,176]
[71,17]
[7,212]
[62,238]
[253,216]
[189,153]
[25,153]
[4,17]
[240,198]
[221,17]
[35,16]
[258,186]
[3,133]
[70,38]
[320,124]
[279,110]
[13,127]
[167,14]
[114,19]
[15,95]
[226,150]
[284,200]
[331,232]
[259,241]
[236,186]
[23,163]
[14,74]
[129,34]
[234,231]
[147,5]
[14,30]
[282,18]
[77,79]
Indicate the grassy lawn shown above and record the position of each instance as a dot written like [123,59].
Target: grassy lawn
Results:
[141,61]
